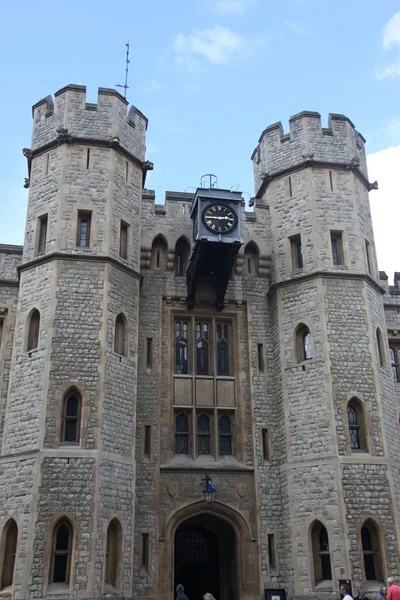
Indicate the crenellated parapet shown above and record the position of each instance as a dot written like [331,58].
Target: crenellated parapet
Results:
[308,144]
[70,119]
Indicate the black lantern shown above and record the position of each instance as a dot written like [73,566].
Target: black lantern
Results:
[209,491]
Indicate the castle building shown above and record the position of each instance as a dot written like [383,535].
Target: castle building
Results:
[150,352]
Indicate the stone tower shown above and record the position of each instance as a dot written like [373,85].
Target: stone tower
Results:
[336,426]
[69,430]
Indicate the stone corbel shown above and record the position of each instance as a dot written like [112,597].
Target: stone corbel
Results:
[63,135]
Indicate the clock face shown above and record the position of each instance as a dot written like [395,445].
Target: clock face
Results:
[219,218]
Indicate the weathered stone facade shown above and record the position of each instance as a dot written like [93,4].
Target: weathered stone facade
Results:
[300,485]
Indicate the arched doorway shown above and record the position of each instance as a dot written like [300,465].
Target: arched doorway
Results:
[205,557]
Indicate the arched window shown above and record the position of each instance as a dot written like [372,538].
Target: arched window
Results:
[201,348]
[181,347]
[355,419]
[61,552]
[9,550]
[303,343]
[381,347]
[71,418]
[113,554]
[203,434]
[121,330]
[159,251]
[395,362]
[222,348]
[321,553]
[225,436]
[181,434]
[33,330]
[181,257]
[371,551]
[251,259]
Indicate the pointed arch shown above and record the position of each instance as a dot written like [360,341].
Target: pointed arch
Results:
[112,567]
[356,425]
[159,252]
[33,325]
[72,409]
[8,550]
[303,343]
[251,259]
[381,347]
[321,557]
[121,335]
[182,251]
[371,549]
[61,552]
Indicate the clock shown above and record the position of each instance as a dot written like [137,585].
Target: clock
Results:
[219,218]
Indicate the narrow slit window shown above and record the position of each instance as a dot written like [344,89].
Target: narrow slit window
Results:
[123,240]
[34,329]
[265,445]
[145,551]
[88,158]
[47,163]
[62,547]
[126,171]
[260,357]
[368,254]
[9,544]
[331,180]
[113,554]
[271,551]
[149,353]
[297,252]
[42,233]
[71,421]
[290,187]
[337,247]
[147,440]
[84,222]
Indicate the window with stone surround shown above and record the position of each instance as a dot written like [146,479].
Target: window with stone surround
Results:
[72,408]
[322,571]
[355,420]
[121,335]
[33,330]
[41,233]
[8,550]
[394,352]
[371,549]
[84,223]
[337,247]
[123,240]
[296,252]
[303,345]
[113,567]
[381,347]
[182,252]
[251,259]
[159,253]
[60,571]
[204,387]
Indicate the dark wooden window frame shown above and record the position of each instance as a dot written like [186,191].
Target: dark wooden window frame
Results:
[84,228]
[75,420]
[9,545]
[66,552]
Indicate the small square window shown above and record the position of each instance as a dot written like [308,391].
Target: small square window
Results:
[84,221]
[297,252]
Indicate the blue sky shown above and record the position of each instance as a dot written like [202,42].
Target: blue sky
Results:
[210,75]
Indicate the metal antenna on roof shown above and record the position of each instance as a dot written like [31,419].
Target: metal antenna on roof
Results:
[125,86]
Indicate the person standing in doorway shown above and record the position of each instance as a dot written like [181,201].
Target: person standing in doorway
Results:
[393,592]
[344,591]
[180,590]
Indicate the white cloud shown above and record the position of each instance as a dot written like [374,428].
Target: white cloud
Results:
[231,7]
[217,46]
[390,39]
[385,206]
[391,32]
[297,27]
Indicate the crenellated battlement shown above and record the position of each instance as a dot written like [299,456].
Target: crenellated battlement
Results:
[308,142]
[69,115]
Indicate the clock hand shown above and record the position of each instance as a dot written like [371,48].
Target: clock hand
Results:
[220,218]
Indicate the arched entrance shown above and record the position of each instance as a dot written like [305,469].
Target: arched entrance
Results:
[205,557]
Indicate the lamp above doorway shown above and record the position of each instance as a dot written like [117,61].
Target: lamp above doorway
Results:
[209,491]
